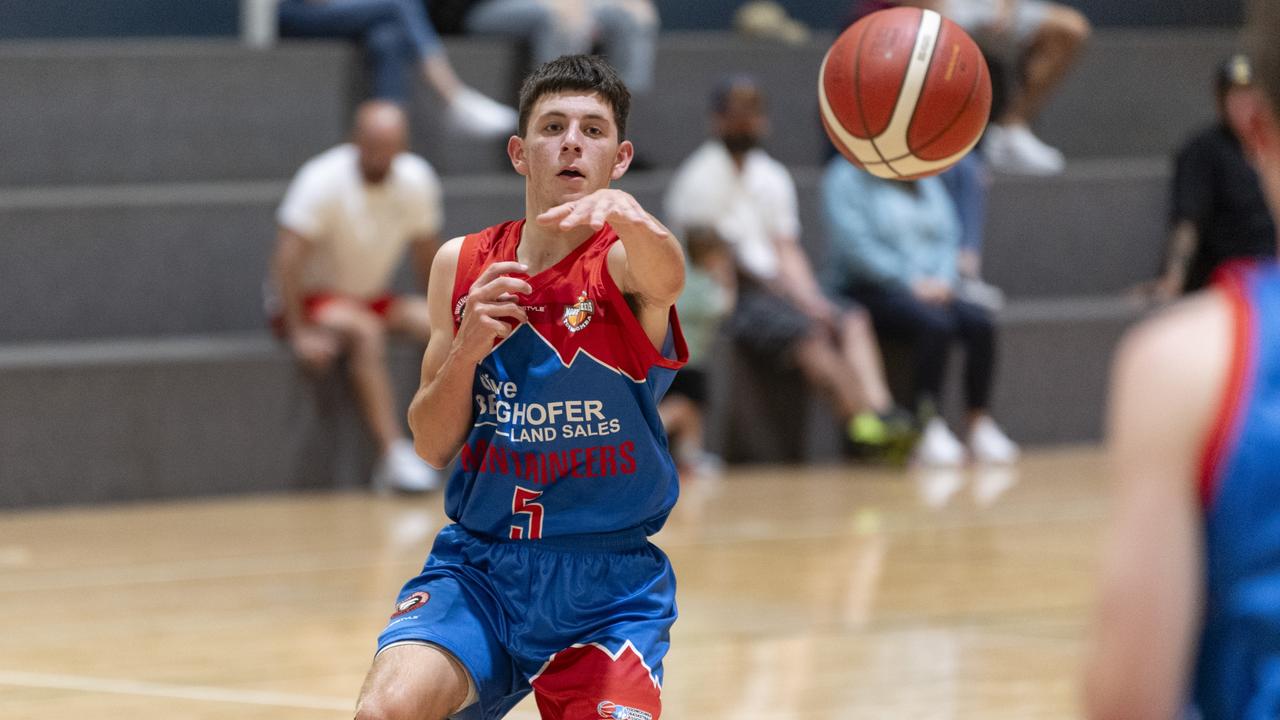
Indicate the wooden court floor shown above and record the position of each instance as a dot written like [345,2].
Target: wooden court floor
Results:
[804,593]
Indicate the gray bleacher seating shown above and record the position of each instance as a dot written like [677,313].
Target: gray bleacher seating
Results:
[140,178]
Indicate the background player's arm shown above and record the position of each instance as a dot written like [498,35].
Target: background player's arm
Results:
[310,344]
[1166,386]
[440,413]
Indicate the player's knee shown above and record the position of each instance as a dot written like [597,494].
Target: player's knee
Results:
[368,339]
[1070,25]
[384,706]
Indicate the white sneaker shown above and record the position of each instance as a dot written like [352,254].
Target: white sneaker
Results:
[1014,149]
[478,116]
[989,444]
[401,469]
[938,447]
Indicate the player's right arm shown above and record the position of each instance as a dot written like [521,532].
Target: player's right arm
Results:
[1167,384]
[440,414]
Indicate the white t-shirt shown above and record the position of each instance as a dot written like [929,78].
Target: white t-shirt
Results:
[359,231]
[751,210]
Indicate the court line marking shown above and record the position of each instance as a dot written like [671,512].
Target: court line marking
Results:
[82,683]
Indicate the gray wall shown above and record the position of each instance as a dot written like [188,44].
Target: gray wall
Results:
[157,18]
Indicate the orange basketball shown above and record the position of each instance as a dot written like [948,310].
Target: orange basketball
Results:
[904,93]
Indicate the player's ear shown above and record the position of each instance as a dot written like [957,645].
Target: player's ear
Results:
[622,160]
[515,151]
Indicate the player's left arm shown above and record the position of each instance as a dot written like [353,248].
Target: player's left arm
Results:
[647,264]
[1166,386]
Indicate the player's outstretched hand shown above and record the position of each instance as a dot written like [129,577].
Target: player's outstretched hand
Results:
[607,205]
[492,310]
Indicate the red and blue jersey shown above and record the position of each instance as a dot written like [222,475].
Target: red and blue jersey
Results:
[1238,669]
[566,439]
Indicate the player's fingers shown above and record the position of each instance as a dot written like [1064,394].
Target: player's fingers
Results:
[498,287]
[555,214]
[506,267]
[581,211]
[497,327]
[506,309]
[598,217]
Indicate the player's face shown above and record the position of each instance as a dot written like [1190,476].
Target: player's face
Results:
[570,148]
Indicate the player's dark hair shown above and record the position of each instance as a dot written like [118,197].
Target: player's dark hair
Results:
[582,73]
[1261,33]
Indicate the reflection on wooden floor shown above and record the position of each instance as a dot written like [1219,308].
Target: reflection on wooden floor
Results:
[804,593]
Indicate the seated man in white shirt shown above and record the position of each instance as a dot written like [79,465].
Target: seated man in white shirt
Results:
[344,225]
[781,314]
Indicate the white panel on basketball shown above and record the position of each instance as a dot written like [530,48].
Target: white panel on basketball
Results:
[864,150]
[914,166]
[892,143]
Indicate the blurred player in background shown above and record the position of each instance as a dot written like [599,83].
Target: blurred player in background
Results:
[344,225]
[553,340]
[1219,212]
[1189,619]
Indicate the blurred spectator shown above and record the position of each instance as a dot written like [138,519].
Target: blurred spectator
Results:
[1219,212]
[780,314]
[767,20]
[968,183]
[1045,37]
[397,34]
[707,298]
[895,249]
[627,30]
[344,225]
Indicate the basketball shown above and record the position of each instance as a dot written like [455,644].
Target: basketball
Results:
[904,93]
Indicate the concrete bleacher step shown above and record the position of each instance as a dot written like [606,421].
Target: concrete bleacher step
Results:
[170,110]
[110,421]
[153,260]
[198,415]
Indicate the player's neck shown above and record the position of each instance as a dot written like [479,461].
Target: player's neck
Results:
[541,247]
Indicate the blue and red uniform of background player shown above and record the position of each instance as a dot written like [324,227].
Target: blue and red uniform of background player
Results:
[1238,670]
[547,580]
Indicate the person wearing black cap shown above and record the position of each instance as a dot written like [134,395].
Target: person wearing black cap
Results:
[1219,213]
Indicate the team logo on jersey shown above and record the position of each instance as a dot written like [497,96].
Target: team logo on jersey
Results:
[613,711]
[578,315]
[415,600]
[459,307]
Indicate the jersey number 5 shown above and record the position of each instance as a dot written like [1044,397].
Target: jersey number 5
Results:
[522,503]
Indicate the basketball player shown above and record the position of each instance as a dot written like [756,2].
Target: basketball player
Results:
[553,339]
[1190,605]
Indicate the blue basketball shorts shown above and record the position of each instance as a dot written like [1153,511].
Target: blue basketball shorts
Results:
[582,622]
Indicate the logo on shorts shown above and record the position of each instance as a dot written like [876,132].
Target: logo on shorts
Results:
[415,600]
[613,711]
[578,315]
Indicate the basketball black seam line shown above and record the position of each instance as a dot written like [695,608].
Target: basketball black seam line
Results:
[977,77]
[857,87]
[902,87]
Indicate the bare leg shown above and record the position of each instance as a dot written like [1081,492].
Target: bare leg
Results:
[366,343]
[826,368]
[412,682]
[439,74]
[862,353]
[1051,53]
